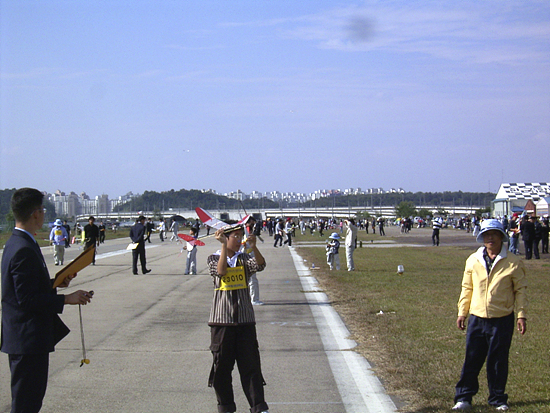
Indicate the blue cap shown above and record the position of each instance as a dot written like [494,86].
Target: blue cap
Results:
[491,225]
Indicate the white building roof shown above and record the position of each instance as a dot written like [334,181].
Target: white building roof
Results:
[534,191]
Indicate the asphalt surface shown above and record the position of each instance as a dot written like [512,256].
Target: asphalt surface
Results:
[147,340]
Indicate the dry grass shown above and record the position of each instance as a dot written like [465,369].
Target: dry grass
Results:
[405,324]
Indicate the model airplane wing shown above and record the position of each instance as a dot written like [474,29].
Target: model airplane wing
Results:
[209,220]
[191,240]
[215,223]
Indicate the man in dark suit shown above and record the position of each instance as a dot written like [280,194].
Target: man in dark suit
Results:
[137,234]
[527,228]
[149,227]
[30,306]
[91,235]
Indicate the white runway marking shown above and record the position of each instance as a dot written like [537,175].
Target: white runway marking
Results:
[360,389]
[119,252]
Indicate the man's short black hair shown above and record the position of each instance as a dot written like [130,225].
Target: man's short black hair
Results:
[24,202]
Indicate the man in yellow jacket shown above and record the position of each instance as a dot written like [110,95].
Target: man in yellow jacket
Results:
[493,286]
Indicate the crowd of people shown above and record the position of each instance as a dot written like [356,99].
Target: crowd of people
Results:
[494,267]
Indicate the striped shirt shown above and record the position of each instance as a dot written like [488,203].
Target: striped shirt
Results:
[232,307]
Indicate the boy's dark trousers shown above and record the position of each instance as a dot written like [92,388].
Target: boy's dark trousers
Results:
[230,344]
[486,338]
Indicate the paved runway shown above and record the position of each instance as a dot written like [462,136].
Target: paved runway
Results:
[147,339]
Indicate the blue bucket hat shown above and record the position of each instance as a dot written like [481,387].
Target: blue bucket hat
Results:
[491,225]
[334,235]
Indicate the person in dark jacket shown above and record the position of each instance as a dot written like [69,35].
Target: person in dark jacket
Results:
[537,236]
[527,229]
[101,229]
[31,326]
[545,232]
[68,229]
[137,235]
[149,227]
[91,235]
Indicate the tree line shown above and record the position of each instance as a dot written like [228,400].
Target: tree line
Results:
[441,200]
[189,199]
[6,215]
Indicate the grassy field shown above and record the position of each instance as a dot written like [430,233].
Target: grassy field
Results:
[405,324]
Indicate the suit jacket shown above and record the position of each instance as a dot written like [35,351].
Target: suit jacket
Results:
[30,324]
[137,233]
[528,230]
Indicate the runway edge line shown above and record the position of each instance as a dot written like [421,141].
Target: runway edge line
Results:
[360,389]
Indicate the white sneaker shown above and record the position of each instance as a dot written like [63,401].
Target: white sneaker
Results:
[502,408]
[462,406]
[257,303]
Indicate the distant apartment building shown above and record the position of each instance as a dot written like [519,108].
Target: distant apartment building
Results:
[239,195]
[72,204]
[65,205]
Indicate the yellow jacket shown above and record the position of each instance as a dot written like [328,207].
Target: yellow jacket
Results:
[497,294]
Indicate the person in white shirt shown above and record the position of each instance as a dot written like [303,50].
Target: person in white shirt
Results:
[351,239]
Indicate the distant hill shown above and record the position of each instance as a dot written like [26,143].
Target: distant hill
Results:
[189,199]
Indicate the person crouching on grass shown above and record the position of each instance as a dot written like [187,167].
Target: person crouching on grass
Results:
[333,257]
[494,283]
[232,323]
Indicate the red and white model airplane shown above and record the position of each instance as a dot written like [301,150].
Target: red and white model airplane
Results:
[191,240]
[211,221]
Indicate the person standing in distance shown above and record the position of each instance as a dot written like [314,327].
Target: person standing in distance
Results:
[101,229]
[58,237]
[31,326]
[437,223]
[137,235]
[493,286]
[68,229]
[91,235]
[162,229]
[174,228]
[351,239]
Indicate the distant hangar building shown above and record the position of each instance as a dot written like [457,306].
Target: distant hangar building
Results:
[522,198]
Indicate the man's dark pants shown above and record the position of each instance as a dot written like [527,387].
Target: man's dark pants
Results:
[536,243]
[486,338]
[29,378]
[139,251]
[88,245]
[528,249]
[435,236]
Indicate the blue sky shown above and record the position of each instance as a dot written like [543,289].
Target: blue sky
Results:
[108,97]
